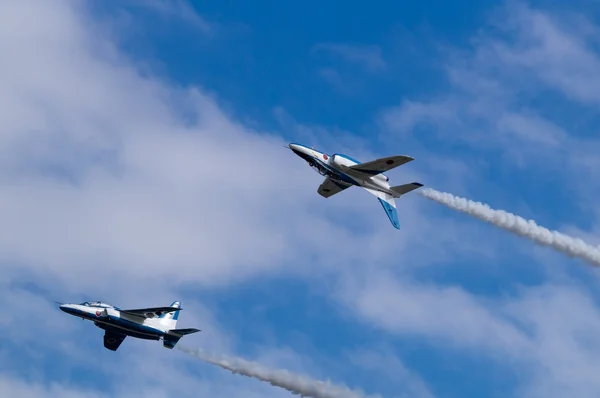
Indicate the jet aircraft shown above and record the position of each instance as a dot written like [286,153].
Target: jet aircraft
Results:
[145,323]
[341,172]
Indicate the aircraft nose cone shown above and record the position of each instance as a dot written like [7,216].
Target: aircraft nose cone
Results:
[299,150]
[67,308]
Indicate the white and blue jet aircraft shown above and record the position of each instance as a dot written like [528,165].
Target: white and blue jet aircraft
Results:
[342,172]
[146,323]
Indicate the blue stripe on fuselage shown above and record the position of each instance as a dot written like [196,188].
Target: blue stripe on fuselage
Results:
[133,326]
[337,174]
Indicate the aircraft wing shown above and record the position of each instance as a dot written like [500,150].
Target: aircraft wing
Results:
[330,187]
[150,312]
[112,340]
[382,165]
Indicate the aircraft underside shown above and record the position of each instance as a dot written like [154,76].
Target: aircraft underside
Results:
[341,172]
[127,332]
[328,171]
[153,323]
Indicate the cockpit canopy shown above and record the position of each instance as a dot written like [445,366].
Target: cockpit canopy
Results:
[97,304]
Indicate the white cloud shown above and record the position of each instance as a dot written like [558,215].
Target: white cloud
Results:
[521,94]
[104,168]
[49,353]
[498,87]
[367,56]
[21,388]
[548,334]
[445,315]
[557,50]
[564,325]
[117,186]
[387,368]
[404,118]
[181,10]
[522,97]
[115,183]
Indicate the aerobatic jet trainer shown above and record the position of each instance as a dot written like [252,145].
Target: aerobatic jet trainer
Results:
[146,323]
[342,172]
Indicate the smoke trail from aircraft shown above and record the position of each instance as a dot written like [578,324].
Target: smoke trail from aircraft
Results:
[573,247]
[296,384]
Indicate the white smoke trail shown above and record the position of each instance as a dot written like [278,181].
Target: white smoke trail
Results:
[296,384]
[573,247]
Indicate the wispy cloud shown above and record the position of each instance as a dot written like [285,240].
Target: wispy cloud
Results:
[113,185]
[123,173]
[180,10]
[443,314]
[512,97]
[548,335]
[520,99]
[557,50]
[368,56]
[381,364]
[107,189]
[497,85]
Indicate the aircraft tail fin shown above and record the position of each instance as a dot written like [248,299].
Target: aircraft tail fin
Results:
[172,337]
[169,319]
[389,206]
[406,188]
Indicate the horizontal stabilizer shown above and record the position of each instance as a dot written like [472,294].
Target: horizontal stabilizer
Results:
[171,339]
[382,165]
[183,332]
[406,188]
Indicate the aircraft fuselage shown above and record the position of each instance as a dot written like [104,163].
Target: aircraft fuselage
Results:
[337,166]
[110,318]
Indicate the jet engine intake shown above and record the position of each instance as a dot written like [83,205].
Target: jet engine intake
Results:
[382,177]
[342,161]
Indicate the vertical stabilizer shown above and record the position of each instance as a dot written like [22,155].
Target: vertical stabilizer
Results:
[172,335]
[389,206]
[169,319]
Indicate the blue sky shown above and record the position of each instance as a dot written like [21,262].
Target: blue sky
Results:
[142,162]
